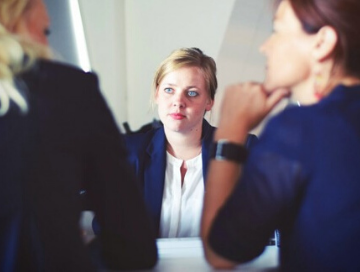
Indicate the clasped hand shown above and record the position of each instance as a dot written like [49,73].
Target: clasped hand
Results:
[245,105]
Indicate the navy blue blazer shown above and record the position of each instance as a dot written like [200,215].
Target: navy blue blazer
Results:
[147,157]
[302,177]
[67,141]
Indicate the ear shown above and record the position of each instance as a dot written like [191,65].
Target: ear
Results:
[325,42]
[156,96]
[209,104]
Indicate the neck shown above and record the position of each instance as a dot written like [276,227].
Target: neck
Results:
[350,81]
[303,93]
[184,146]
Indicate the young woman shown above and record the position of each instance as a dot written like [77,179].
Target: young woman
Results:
[170,162]
[303,175]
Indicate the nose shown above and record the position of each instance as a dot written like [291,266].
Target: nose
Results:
[178,100]
[263,47]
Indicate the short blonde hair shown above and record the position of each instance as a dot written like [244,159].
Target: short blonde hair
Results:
[187,57]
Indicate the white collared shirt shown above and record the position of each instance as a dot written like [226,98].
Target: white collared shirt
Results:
[182,205]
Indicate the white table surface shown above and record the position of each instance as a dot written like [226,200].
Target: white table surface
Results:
[186,254]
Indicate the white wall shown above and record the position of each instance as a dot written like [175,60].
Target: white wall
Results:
[104,24]
[239,58]
[128,39]
[154,28]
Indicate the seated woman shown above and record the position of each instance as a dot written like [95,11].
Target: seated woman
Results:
[170,162]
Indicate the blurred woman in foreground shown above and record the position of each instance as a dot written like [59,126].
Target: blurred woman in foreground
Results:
[303,175]
[56,136]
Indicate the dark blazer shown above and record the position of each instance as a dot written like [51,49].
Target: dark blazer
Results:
[302,177]
[67,142]
[147,156]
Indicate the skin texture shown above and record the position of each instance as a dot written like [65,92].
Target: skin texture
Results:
[182,100]
[288,53]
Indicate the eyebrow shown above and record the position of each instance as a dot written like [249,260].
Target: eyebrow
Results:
[188,87]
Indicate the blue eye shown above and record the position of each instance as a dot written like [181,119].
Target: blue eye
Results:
[193,93]
[168,90]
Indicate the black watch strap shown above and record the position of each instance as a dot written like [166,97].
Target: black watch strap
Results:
[226,150]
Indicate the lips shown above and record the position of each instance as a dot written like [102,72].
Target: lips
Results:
[177,116]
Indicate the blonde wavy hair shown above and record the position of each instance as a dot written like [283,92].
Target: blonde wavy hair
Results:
[13,49]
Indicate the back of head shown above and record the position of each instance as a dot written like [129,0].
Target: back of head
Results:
[188,57]
[17,51]
[343,16]
[26,19]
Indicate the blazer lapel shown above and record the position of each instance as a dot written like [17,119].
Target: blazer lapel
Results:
[206,140]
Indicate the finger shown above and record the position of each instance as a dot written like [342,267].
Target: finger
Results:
[275,97]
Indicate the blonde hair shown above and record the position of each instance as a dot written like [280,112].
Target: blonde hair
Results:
[187,57]
[13,49]
[12,14]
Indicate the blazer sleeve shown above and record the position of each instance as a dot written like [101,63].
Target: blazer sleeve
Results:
[126,238]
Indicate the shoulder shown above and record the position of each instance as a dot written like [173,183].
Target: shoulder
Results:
[134,140]
[290,123]
[207,136]
[44,73]
[139,142]
[289,133]
[58,69]
[207,130]
[280,126]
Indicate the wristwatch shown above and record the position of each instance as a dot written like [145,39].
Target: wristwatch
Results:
[223,149]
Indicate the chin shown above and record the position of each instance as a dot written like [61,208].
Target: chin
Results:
[269,86]
[272,85]
[173,127]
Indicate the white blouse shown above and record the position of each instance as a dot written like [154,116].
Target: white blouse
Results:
[182,205]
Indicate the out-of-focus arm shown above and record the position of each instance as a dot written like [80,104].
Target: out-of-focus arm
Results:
[244,106]
[221,180]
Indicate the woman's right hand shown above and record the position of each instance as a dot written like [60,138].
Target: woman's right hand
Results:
[244,106]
